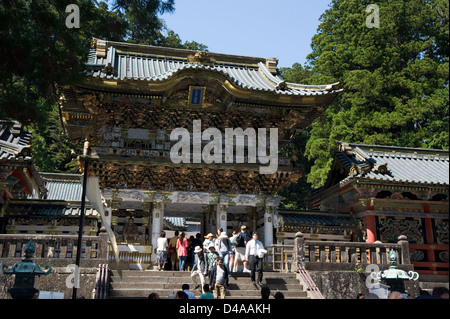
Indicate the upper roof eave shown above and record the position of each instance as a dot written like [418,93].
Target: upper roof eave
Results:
[393,148]
[180,53]
[247,73]
[393,164]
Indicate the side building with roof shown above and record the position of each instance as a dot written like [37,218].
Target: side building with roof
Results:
[393,191]
[35,202]
[18,174]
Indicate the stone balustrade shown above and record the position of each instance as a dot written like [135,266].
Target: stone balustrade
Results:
[337,255]
[342,255]
[54,246]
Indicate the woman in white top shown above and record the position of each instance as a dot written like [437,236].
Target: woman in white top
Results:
[162,247]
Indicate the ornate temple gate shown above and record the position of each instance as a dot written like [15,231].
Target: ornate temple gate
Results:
[148,209]
[132,99]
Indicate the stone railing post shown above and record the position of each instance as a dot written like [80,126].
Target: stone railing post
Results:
[103,246]
[299,251]
[404,244]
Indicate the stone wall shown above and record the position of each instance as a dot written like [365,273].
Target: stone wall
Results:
[347,282]
[57,280]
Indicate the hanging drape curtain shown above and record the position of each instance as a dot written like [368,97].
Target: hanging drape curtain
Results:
[94,196]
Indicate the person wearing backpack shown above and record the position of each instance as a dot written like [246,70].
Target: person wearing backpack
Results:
[241,242]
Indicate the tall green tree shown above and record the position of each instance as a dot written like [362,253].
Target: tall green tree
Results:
[142,16]
[39,53]
[395,77]
[295,195]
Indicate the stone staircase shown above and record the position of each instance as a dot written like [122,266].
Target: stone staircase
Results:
[428,282]
[136,284]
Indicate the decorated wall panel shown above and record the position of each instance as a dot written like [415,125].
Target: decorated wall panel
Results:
[390,228]
[441,231]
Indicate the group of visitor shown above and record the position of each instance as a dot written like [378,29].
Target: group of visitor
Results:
[216,257]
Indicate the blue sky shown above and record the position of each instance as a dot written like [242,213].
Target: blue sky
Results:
[261,28]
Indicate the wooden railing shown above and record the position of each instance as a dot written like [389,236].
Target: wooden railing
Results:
[282,257]
[54,246]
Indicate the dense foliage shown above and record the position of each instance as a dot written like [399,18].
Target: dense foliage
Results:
[395,78]
[39,53]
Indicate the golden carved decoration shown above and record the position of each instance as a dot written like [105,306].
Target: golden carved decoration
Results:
[201,57]
[182,178]
[282,86]
[109,69]
[91,103]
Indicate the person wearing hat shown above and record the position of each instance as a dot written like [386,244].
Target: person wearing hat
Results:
[208,240]
[199,268]
[254,252]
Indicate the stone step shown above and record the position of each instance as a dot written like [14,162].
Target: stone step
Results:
[155,273]
[163,296]
[139,284]
[231,294]
[430,285]
[177,286]
[187,279]
[256,290]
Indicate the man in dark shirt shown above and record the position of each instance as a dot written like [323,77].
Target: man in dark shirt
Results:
[194,243]
[219,279]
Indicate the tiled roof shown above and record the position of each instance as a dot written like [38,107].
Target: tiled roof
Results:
[65,187]
[176,222]
[309,218]
[14,141]
[396,164]
[150,65]
[15,150]
[46,209]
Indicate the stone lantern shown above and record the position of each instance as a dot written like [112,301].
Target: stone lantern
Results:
[395,278]
[25,272]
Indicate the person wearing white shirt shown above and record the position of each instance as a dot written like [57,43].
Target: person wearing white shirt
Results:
[254,253]
[162,250]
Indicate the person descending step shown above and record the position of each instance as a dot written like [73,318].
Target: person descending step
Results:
[219,279]
[254,253]
[224,249]
[213,256]
[199,268]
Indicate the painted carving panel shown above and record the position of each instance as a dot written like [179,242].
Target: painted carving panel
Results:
[441,226]
[390,228]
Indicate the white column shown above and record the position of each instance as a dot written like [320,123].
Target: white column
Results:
[269,213]
[221,212]
[109,217]
[157,221]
